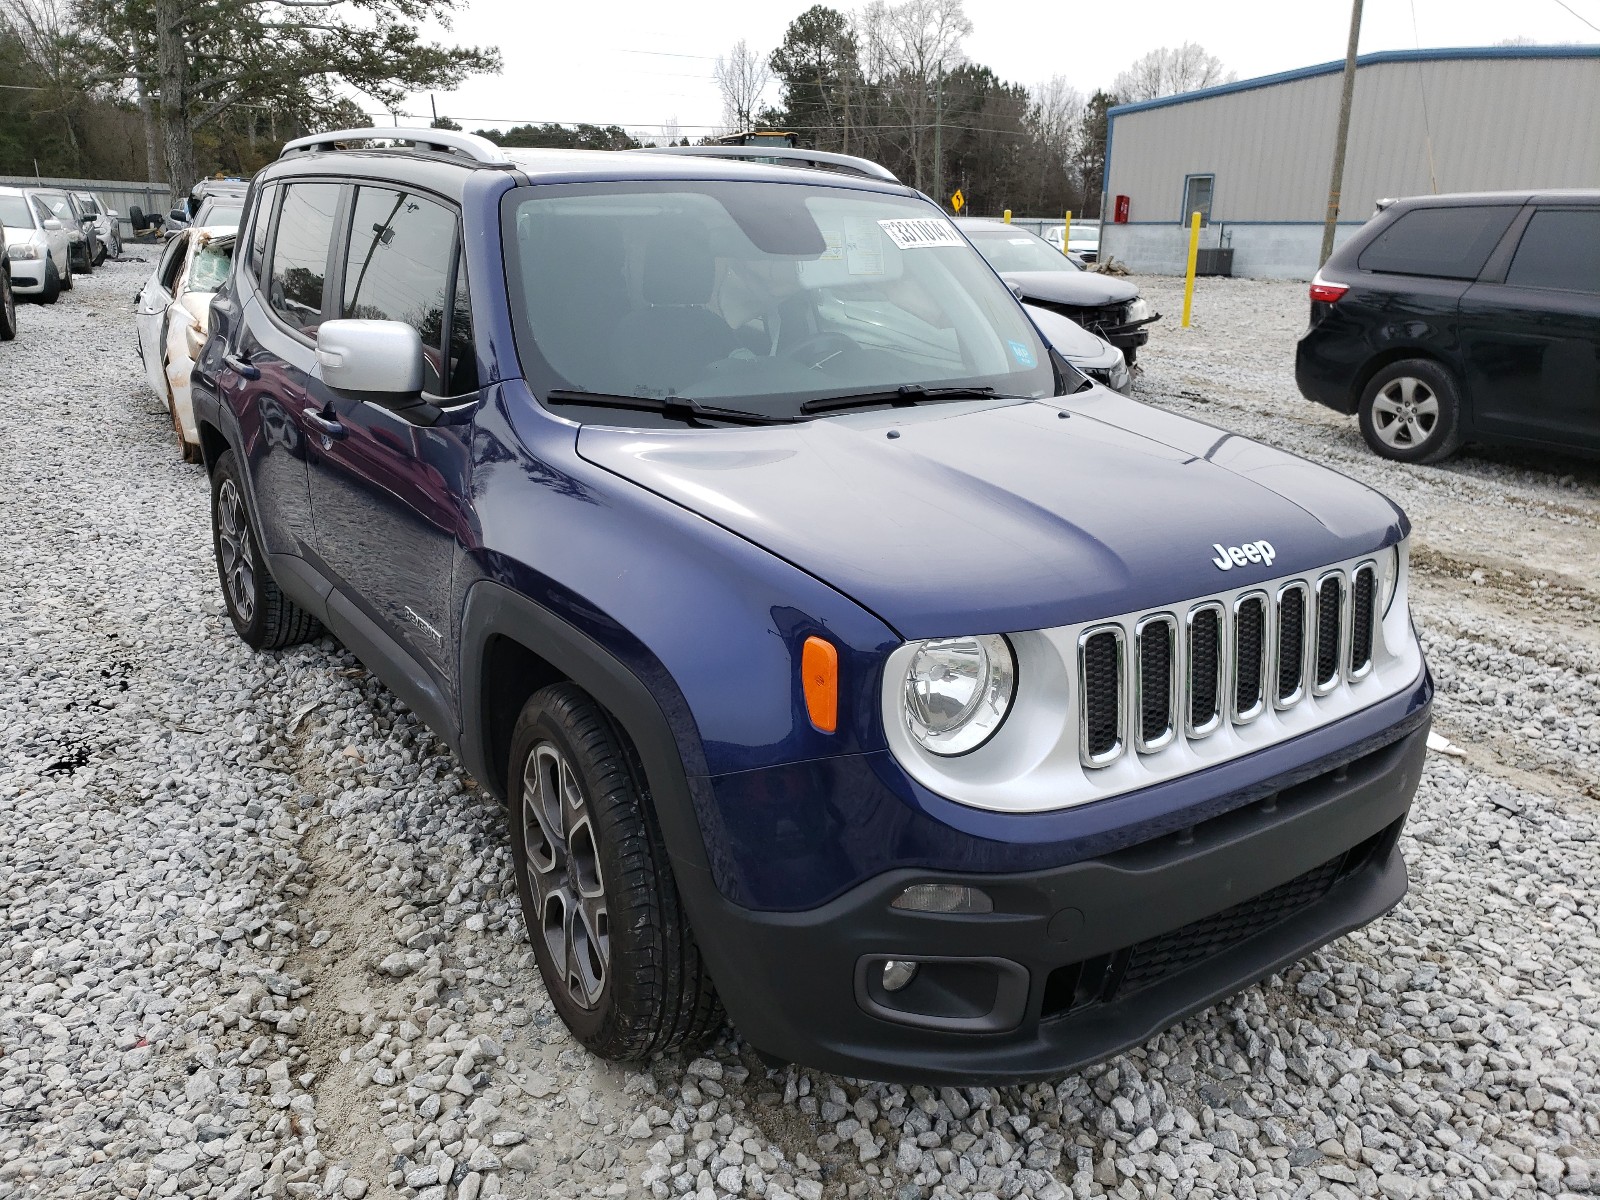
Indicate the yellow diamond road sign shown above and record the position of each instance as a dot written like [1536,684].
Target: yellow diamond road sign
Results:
[957,201]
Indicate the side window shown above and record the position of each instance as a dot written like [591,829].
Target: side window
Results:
[259,224]
[1197,191]
[300,253]
[462,361]
[1451,243]
[1559,249]
[398,268]
[172,262]
[43,210]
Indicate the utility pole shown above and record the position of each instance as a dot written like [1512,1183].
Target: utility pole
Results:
[938,139]
[1336,180]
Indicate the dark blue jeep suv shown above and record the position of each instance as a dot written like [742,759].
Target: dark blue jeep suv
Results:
[847,660]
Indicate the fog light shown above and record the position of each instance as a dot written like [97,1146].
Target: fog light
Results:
[897,974]
[944,898]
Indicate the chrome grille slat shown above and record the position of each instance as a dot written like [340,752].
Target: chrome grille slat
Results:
[1249,657]
[1145,682]
[1102,684]
[1331,633]
[1292,644]
[1157,681]
[1363,603]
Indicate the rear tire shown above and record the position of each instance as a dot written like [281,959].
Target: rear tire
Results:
[8,309]
[263,617]
[1411,412]
[599,899]
[66,280]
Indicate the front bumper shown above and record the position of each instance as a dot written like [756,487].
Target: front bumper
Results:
[1077,962]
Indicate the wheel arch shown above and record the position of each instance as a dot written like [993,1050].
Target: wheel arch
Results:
[213,445]
[1394,354]
[511,647]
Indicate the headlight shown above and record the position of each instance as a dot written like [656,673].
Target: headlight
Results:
[23,250]
[1388,576]
[958,690]
[1138,309]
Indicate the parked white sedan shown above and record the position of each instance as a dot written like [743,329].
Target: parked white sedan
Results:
[38,246]
[174,315]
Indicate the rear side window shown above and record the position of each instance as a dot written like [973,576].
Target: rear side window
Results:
[1559,249]
[399,268]
[1451,243]
[300,253]
[259,227]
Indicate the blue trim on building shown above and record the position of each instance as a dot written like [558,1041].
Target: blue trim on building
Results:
[1331,68]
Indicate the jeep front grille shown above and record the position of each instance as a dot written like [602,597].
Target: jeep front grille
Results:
[1188,670]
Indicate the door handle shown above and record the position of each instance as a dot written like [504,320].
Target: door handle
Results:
[240,366]
[325,425]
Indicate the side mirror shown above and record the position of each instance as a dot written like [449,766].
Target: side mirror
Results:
[51,224]
[112,213]
[378,360]
[179,216]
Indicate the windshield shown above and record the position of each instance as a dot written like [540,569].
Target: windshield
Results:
[14,212]
[209,270]
[758,296]
[89,205]
[58,206]
[1018,250]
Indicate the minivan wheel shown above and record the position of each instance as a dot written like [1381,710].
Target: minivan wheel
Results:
[599,899]
[263,617]
[1411,412]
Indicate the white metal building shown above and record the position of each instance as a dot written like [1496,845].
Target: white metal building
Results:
[1254,157]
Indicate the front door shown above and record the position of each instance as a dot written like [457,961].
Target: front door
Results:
[1532,342]
[390,485]
[150,313]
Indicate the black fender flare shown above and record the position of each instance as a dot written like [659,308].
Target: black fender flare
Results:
[494,609]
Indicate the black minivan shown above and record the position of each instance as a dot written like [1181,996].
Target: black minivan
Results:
[1463,318]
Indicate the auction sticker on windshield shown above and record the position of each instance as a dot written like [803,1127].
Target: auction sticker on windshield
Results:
[917,232]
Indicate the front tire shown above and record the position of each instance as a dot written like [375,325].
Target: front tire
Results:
[1411,412]
[66,280]
[263,617]
[601,906]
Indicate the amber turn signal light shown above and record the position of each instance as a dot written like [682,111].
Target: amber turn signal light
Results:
[819,676]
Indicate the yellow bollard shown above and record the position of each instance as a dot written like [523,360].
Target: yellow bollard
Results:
[1008,216]
[1194,254]
[1066,233]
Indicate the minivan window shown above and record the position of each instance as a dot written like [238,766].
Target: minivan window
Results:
[300,253]
[1559,249]
[398,268]
[1451,243]
[770,296]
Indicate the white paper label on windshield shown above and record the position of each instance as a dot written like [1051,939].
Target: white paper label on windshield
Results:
[918,232]
[863,249]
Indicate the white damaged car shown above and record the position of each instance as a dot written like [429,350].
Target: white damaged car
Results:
[173,314]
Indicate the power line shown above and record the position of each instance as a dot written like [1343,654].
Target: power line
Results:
[1579,15]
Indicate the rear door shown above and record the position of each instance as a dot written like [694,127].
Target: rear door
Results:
[389,486]
[1531,336]
[150,312]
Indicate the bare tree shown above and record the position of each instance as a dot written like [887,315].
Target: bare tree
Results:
[1058,110]
[741,77]
[918,43]
[1166,72]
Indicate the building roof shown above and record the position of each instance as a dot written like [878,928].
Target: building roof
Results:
[1364,60]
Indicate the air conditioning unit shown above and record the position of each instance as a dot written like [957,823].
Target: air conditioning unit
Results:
[1218,261]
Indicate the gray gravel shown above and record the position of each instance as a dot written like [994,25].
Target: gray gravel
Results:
[258,934]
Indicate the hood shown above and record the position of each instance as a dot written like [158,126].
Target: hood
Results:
[1071,340]
[995,518]
[1087,289]
[15,236]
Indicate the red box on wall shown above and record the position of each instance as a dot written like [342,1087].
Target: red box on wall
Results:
[1120,212]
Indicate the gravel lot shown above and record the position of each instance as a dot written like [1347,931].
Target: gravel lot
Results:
[258,933]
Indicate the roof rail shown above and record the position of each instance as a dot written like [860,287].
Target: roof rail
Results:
[470,145]
[783,154]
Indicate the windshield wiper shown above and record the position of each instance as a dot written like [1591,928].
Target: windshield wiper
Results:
[672,406]
[906,394]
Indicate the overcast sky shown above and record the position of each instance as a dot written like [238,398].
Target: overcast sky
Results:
[637,64]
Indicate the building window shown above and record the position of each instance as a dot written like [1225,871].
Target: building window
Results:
[1197,197]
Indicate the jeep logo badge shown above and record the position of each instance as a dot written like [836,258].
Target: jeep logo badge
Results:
[1229,557]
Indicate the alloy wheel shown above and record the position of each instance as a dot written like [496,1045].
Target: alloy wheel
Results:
[1405,412]
[564,874]
[238,559]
